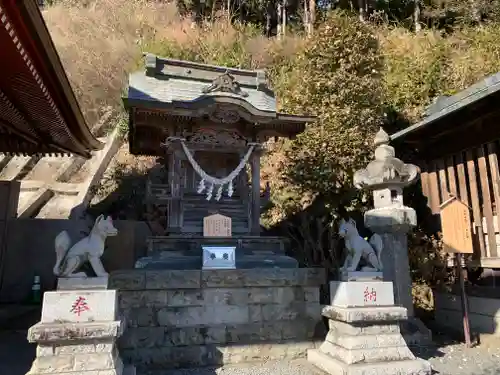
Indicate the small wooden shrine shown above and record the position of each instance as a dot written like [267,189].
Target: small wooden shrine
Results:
[209,122]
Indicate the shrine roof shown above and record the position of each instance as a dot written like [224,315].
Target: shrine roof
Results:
[38,110]
[188,86]
[455,123]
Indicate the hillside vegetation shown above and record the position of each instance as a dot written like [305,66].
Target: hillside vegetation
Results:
[355,76]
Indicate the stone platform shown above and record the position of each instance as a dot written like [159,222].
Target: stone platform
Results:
[364,336]
[199,318]
[77,334]
[176,252]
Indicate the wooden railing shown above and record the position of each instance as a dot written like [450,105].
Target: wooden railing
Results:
[473,176]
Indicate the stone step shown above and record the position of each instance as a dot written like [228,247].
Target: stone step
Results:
[201,208]
[208,211]
[333,366]
[248,244]
[173,262]
[193,261]
[214,203]
[199,215]
[162,358]
[218,334]
[202,212]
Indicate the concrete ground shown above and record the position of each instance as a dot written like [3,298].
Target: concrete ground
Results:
[447,358]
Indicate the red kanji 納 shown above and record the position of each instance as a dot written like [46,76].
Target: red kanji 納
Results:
[370,295]
[79,306]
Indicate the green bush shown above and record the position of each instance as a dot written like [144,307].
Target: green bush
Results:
[337,76]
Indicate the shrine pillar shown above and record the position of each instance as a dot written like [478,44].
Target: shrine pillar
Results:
[175,208]
[255,165]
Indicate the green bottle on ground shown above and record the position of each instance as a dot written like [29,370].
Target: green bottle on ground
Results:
[36,293]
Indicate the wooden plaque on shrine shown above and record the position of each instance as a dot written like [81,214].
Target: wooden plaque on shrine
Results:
[217,226]
[456,226]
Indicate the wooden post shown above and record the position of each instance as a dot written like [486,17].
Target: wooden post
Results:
[174,220]
[457,239]
[463,298]
[255,224]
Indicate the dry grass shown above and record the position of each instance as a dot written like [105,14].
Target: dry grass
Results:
[474,53]
[423,66]
[100,42]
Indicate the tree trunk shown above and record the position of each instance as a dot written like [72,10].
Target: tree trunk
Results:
[213,13]
[476,13]
[269,11]
[279,14]
[312,15]
[196,12]
[416,16]
[362,10]
[283,17]
[307,24]
[241,3]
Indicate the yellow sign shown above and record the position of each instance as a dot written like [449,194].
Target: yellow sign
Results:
[456,227]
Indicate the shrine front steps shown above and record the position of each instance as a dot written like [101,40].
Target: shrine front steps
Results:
[196,318]
[248,245]
[177,252]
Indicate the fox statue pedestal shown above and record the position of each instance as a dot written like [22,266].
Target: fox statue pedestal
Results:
[364,336]
[80,324]
[77,334]
[82,283]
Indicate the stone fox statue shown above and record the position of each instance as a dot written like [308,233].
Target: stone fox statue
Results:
[360,249]
[90,248]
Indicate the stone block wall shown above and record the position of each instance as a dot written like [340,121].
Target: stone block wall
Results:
[484,313]
[213,317]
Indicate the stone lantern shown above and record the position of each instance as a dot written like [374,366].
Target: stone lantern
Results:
[386,177]
[370,321]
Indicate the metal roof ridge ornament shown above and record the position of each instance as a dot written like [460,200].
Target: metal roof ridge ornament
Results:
[225,83]
[386,170]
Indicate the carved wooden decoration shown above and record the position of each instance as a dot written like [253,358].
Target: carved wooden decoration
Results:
[223,137]
[225,115]
[456,226]
[217,226]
